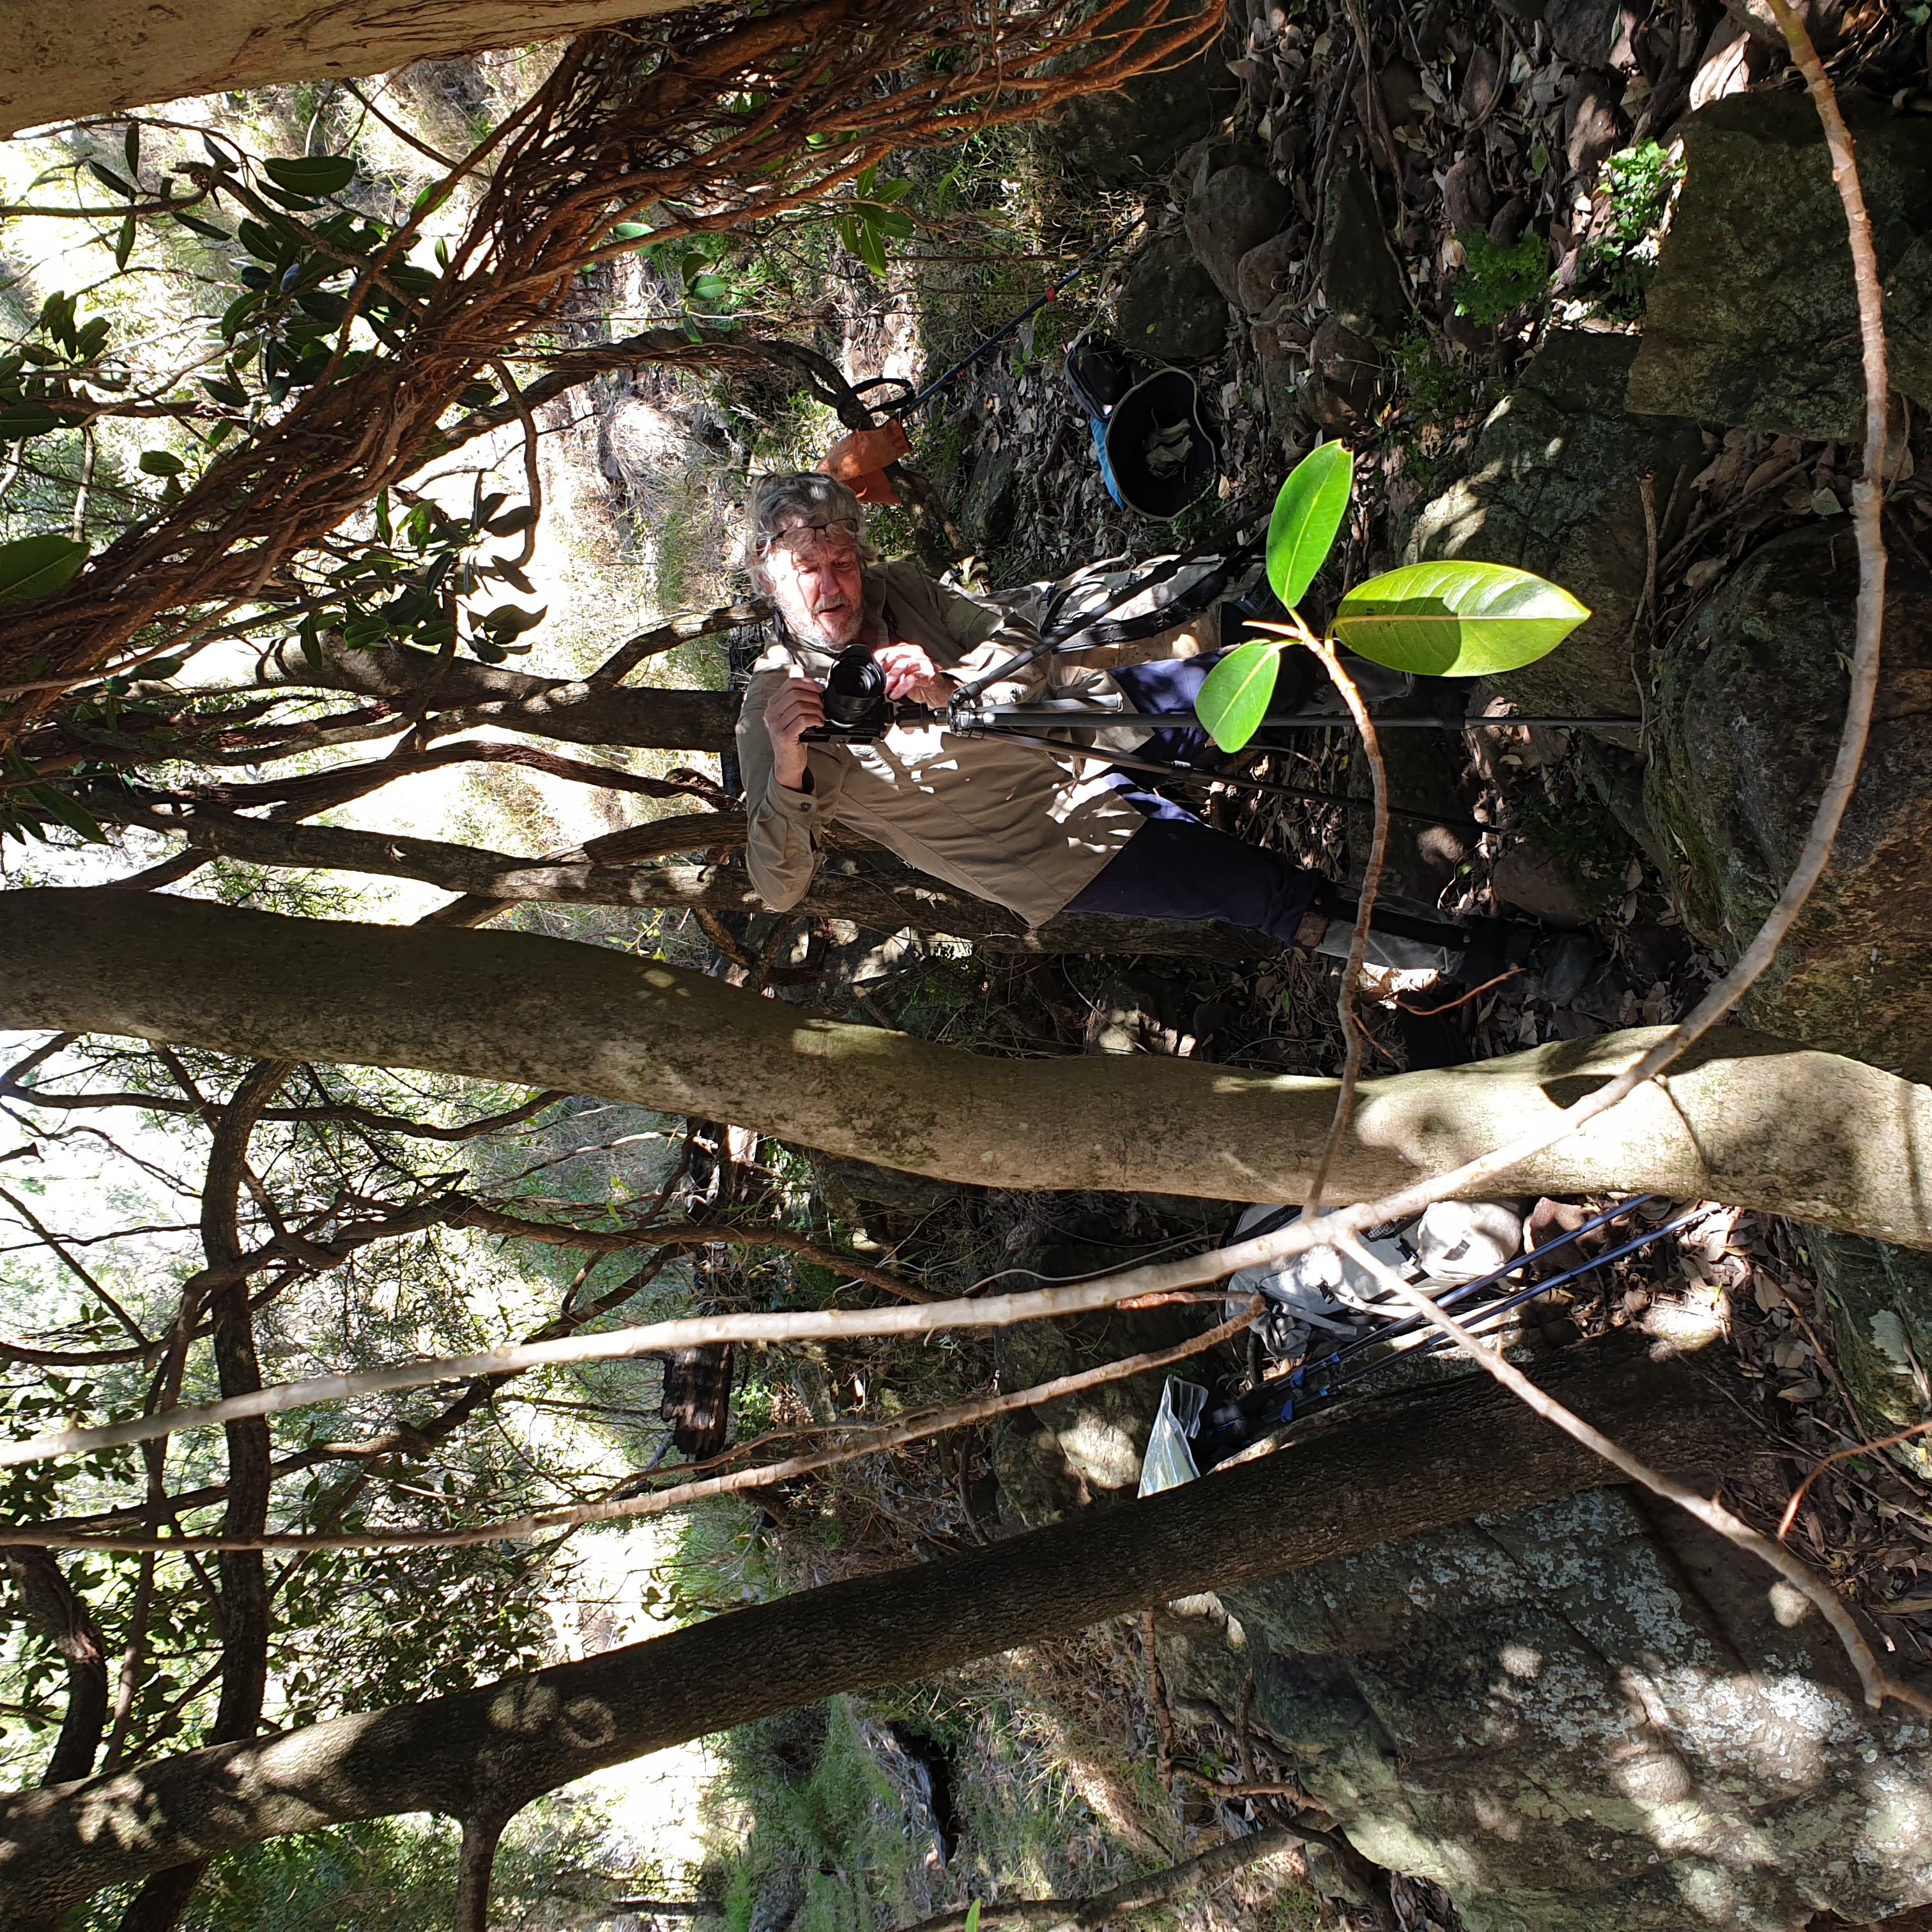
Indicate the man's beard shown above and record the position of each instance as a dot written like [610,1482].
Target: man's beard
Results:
[829,630]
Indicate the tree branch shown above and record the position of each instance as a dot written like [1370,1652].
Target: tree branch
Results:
[1088,1915]
[681,1495]
[1404,1468]
[57,1612]
[1745,1119]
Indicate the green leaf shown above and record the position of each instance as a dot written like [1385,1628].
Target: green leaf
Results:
[195,225]
[629,231]
[36,566]
[232,394]
[508,621]
[237,314]
[312,174]
[124,242]
[511,522]
[871,248]
[259,242]
[130,146]
[1307,514]
[296,204]
[24,419]
[161,463]
[108,178]
[973,1917]
[1456,620]
[56,804]
[1234,699]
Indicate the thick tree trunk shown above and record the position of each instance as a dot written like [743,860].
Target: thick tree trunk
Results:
[57,1611]
[160,1904]
[1409,1467]
[98,56]
[1743,1119]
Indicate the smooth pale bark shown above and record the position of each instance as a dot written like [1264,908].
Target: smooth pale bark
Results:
[97,56]
[1743,1118]
[1462,1450]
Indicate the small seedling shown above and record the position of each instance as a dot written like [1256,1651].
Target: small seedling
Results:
[1446,619]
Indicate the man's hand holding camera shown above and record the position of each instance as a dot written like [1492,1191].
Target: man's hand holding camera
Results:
[799,708]
[910,675]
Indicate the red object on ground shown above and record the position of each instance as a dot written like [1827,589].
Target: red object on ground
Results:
[859,461]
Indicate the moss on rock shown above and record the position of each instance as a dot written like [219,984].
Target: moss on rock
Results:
[1750,704]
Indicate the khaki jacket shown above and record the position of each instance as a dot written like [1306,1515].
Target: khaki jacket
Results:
[1023,826]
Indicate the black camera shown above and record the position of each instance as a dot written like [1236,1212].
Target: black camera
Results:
[856,708]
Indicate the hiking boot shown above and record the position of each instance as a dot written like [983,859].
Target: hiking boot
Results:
[1553,966]
[1557,968]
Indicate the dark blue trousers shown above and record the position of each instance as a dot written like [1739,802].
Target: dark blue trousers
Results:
[1174,867]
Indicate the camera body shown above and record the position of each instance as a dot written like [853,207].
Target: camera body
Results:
[856,708]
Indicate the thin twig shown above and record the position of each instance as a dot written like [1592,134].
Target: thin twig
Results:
[1878,1685]
[1086,1914]
[1358,944]
[532,467]
[145,1346]
[401,134]
[1156,1689]
[760,1476]
[1244,1742]
[1790,1515]
[1462,999]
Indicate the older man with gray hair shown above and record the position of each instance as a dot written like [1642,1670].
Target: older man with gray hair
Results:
[1041,830]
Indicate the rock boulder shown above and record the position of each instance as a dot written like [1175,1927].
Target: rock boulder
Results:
[1881,1301]
[1235,209]
[1360,281]
[1552,487]
[1589,1717]
[1583,31]
[1170,309]
[1750,318]
[1133,133]
[1750,701]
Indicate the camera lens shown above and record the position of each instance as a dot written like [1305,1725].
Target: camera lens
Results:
[855,691]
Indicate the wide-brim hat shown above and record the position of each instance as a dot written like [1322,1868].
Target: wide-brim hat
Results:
[1159,446]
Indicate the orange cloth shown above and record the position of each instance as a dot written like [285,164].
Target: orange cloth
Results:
[859,461]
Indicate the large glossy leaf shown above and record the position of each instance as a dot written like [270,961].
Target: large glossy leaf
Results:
[1307,514]
[1234,699]
[1457,619]
[35,566]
